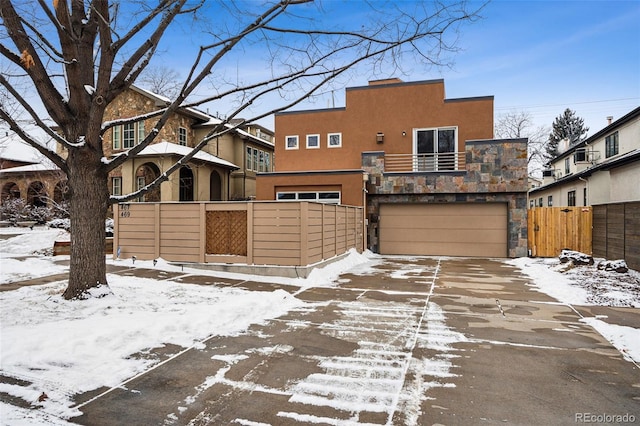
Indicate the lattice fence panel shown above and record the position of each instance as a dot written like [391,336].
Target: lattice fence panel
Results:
[227,232]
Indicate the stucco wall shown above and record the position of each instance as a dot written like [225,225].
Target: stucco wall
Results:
[394,109]
[622,189]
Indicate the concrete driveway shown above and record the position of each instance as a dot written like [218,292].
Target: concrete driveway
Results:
[428,341]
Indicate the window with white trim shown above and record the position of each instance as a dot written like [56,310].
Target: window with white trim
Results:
[291,142]
[128,135]
[267,162]
[140,183]
[313,141]
[334,140]
[329,197]
[255,160]
[550,200]
[116,186]
[182,136]
[249,158]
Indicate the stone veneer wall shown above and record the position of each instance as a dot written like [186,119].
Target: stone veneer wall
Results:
[495,171]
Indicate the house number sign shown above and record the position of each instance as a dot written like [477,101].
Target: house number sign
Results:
[124,210]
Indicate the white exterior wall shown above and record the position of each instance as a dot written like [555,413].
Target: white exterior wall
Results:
[603,186]
[625,184]
[600,188]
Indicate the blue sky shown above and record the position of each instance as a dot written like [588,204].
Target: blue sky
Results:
[535,56]
[545,56]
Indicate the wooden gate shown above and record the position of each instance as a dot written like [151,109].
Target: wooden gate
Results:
[552,229]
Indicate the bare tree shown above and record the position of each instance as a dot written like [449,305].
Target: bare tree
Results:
[161,80]
[79,56]
[519,124]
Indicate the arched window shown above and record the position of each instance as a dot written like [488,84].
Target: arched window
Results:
[186,184]
[215,186]
[146,174]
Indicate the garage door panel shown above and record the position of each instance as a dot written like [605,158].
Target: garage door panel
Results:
[444,229]
[444,236]
[438,222]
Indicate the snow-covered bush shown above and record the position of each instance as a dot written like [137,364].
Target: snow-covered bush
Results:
[60,224]
[66,225]
[15,210]
[108,227]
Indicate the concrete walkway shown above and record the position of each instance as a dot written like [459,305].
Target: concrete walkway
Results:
[451,341]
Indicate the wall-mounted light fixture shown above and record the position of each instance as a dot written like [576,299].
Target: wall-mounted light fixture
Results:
[380,137]
[404,133]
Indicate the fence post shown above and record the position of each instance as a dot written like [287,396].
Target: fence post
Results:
[116,229]
[304,233]
[202,244]
[156,231]
[249,212]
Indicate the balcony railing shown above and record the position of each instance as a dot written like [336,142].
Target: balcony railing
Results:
[436,162]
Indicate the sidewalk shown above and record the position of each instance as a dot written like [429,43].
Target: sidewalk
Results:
[461,341]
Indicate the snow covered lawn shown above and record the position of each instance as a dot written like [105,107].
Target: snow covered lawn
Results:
[61,348]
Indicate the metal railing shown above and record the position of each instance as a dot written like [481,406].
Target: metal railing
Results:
[435,162]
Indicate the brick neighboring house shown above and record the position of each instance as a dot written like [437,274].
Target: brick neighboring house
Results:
[432,178]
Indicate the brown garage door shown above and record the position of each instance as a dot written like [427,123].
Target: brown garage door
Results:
[444,229]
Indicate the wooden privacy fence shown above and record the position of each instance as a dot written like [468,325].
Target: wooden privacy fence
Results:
[255,233]
[552,229]
[616,232]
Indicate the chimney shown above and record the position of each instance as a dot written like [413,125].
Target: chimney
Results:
[609,119]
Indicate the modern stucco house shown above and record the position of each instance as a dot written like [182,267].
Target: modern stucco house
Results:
[602,169]
[432,178]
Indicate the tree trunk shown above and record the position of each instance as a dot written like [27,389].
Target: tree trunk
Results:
[89,197]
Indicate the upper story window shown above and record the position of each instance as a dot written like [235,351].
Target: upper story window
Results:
[128,135]
[334,140]
[313,141]
[116,186]
[182,136]
[611,145]
[255,159]
[435,149]
[291,142]
[567,166]
[249,158]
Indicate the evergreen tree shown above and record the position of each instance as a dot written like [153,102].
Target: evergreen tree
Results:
[566,126]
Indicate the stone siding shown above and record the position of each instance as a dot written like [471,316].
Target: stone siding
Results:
[495,172]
